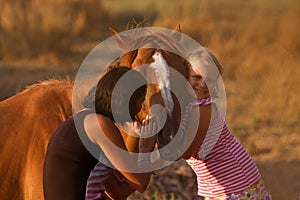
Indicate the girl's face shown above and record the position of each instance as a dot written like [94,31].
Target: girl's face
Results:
[203,82]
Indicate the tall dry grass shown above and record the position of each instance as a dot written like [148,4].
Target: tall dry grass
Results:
[33,27]
[257,42]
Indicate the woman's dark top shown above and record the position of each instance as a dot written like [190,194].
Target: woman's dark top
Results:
[68,163]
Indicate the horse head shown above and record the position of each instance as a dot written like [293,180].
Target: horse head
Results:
[165,58]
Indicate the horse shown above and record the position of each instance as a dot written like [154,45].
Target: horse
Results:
[29,118]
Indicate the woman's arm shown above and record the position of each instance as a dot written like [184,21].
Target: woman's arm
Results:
[116,189]
[102,131]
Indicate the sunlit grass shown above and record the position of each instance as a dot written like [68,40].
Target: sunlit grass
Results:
[256,41]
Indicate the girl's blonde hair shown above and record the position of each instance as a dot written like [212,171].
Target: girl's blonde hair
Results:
[208,59]
[206,56]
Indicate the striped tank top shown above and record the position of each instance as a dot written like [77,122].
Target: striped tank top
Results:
[222,165]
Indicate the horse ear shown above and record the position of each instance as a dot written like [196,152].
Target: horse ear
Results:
[177,32]
[177,28]
[122,41]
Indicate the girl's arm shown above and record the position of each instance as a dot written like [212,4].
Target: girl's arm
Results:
[199,121]
[102,131]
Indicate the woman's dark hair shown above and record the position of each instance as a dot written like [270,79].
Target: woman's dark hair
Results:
[100,97]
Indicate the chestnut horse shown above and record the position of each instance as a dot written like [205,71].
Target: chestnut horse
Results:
[29,118]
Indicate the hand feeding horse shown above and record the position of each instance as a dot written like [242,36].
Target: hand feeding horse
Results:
[29,118]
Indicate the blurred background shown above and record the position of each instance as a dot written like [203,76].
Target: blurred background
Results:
[258,43]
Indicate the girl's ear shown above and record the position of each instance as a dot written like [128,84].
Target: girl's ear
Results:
[122,41]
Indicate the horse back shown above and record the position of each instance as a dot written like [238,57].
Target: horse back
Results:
[27,121]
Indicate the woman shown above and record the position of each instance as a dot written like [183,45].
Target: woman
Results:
[68,163]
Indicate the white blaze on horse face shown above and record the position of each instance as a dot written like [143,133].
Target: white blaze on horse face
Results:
[161,69]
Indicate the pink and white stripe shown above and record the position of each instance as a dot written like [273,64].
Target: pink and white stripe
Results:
[222,165]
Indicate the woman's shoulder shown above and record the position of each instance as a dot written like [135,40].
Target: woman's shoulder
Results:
[96,119]
[103,119]
[95,123]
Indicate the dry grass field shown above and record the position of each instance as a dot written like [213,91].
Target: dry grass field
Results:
[258,43]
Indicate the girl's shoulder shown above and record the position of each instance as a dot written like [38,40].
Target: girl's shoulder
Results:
[210,105]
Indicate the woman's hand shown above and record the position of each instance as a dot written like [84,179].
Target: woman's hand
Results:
[147,143]
[132,128]
[148,135]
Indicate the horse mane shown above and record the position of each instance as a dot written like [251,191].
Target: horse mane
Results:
[49,83]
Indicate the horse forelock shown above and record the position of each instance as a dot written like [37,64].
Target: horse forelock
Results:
[144,47]
[159,41]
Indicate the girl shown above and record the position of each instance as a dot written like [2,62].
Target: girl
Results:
[68,163]
[223,168]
